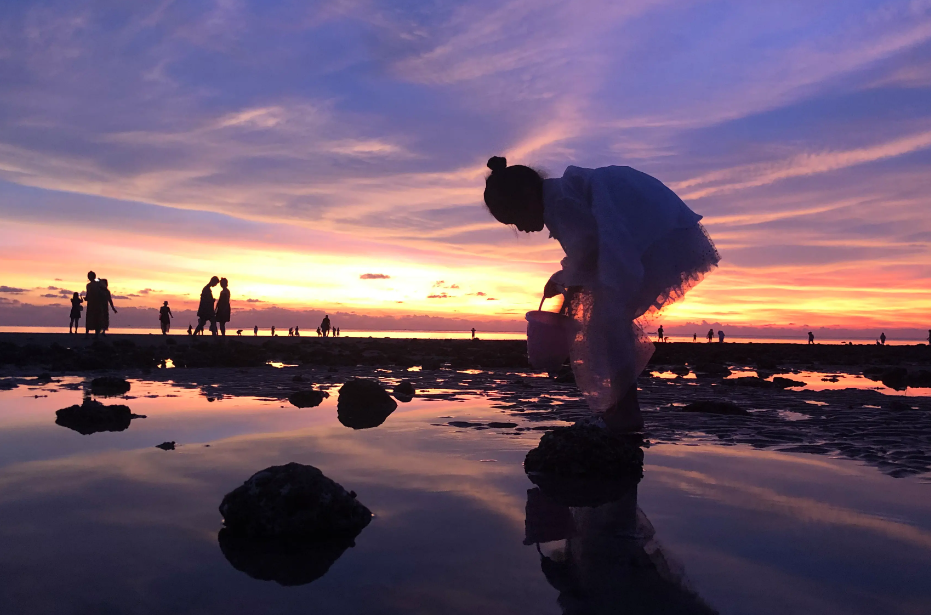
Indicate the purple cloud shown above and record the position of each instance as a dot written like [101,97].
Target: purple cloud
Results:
[374,276]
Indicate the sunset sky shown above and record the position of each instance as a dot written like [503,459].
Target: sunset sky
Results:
[296,146]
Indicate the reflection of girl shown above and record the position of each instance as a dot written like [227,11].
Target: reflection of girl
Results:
[223,306]
[609,561]
[76,309]
[632,247]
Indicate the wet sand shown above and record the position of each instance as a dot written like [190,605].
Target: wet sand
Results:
[873,423]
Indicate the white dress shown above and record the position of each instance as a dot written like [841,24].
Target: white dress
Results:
[634,247]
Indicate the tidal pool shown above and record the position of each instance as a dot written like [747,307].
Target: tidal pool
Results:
[107,523]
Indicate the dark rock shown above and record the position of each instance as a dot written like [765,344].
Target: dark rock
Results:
[586,450]
[464,424]
[898,406]
[297,378]
[714,407]
[919,378]
[895,378]
[44,378]
[293,501]
[166,446]
[109,386]
[8,385]
[93,417]
[500,425]
[405,391]
[787,383]
[712,369]
[288,563]
[430,364]
[363,404]
[750,381]
[307,399]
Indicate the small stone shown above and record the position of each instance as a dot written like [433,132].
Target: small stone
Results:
[93,417]
[404,391]
[166,446]
[714,407]
[363,404]
[310,398]
[787,383]
[109,386]
[293,501]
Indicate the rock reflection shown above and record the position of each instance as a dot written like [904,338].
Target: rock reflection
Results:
[605,559]
[284,562]
[94,417]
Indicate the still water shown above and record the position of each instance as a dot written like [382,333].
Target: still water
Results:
[107,523]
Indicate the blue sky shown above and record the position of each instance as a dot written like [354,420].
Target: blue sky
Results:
[354,134]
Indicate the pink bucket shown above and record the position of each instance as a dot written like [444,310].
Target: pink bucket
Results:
[549,339]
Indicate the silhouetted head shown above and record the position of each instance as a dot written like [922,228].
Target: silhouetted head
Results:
[166,304]
[104,282]
[514,195]
[214,281]
[91,276]
[75,296]
[224,282]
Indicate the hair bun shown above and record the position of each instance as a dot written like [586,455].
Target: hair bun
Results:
[497,163]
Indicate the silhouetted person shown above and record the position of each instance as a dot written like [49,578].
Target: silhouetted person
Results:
[96,305]
[76,309]
[338,332]
[290,331]
[205,311]
[255,331]
[929,337]
[190,329]
[164,317]
[659,334]
[473,333]
[721,337]
[325,325]
[811,337]
[108,298]
[297,331]
[239,332]
[710,335]
[694,337]
[882,339]
[273,331]
[319,333]
[223,306]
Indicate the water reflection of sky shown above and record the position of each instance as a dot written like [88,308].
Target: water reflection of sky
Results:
[108,523]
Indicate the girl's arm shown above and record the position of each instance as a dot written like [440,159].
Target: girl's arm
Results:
[170,314]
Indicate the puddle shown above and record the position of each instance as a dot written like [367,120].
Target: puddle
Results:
[107,522]
[827,381]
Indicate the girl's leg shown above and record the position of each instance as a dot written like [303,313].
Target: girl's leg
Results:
[222,326]
[625,416]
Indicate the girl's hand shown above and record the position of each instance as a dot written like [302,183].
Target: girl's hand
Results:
[553,286]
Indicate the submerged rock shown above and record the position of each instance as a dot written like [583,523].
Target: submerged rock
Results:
[404,391]
[307,399]
[712,369]
[586,450]
[919,378]
[895,378]
[8,384]
[293,501]
[109,386]
[363,404]
[750,381]
[788,383]
[715,407]
[166,446]
[93,416]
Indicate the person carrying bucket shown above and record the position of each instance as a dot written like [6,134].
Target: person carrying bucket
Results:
[632,247]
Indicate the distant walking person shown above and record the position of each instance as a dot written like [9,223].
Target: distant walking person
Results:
[710,335]
[659,334]
[164,317]
[319,333]
[297,331]
[338,331]
[473,333]
[96,305]
[721,337]
[882,338]
[811,337]
[190,329]
[273,331]
[694,337]
[76,309]
[290,331]
[223,306]
[255,331]
[325,325]
[205,311]
[108,301]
